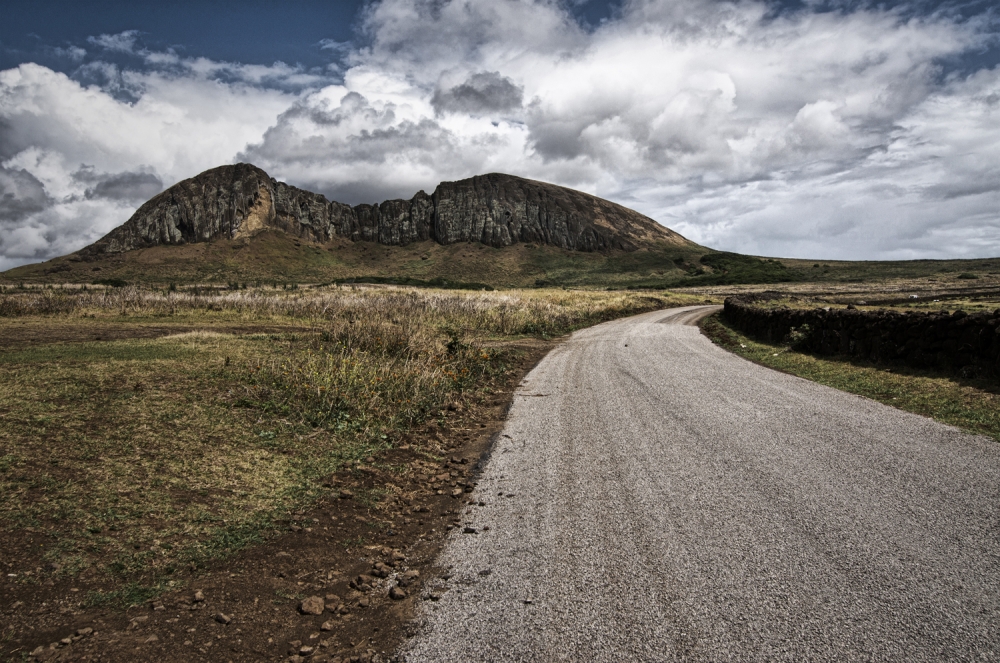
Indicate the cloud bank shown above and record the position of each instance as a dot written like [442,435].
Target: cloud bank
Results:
[845,134]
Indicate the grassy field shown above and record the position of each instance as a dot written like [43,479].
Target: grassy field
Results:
[144,431]
[972,405]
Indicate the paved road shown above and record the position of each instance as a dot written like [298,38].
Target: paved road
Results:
[654,498]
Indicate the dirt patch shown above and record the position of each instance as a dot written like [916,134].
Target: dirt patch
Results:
[366,551]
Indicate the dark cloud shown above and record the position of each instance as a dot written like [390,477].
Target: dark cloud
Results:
[483,93]
[127,186]
[21,195]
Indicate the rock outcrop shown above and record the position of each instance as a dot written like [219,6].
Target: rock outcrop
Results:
[498,210]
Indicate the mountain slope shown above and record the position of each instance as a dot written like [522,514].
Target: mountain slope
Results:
[239,201]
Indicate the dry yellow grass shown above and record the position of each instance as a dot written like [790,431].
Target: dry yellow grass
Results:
[142,455]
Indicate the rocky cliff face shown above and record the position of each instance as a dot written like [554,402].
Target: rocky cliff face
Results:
[498,210]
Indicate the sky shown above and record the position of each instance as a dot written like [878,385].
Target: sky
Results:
[823,129]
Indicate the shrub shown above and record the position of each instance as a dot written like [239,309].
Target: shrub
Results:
[798,337]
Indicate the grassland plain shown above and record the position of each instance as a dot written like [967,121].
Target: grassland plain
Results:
[970,404]
[146,434]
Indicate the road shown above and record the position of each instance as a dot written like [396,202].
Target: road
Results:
[655,498]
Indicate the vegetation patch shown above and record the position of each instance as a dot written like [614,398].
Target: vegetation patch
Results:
[124,461]
[970,404]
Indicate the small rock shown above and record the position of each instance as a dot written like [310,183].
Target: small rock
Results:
[283,554]
[313,605]
[199,596]
[346,494]
[327,626]
[152,638]
[408,577]
[306,650]
[457,492]
[363,602]
[84,632]
[469,530]
[396,594]
[223,618]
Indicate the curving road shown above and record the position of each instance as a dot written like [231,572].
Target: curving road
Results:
[654,498]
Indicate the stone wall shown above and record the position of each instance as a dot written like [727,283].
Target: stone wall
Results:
[969,344]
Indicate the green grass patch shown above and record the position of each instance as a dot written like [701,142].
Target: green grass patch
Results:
[130,594]
[971,405]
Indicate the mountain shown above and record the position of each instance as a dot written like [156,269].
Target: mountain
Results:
[236,224]
[240,201]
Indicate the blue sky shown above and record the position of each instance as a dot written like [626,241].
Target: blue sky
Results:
[820,129]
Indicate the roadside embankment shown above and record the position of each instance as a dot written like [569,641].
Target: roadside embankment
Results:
[966,343]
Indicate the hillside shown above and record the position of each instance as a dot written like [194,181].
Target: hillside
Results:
[235,223]
[240,201]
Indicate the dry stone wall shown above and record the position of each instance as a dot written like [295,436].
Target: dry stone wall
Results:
[967,343]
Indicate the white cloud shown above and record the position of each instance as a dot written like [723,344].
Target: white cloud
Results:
[123,42]
[826,135]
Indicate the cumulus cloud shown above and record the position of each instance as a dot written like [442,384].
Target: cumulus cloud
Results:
[123,42]
[21,195]
[482,93]
[813,134]
[128,186]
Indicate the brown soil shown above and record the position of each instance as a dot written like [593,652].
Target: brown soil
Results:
[247,608]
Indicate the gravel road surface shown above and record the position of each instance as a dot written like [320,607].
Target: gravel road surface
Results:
[655,498]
